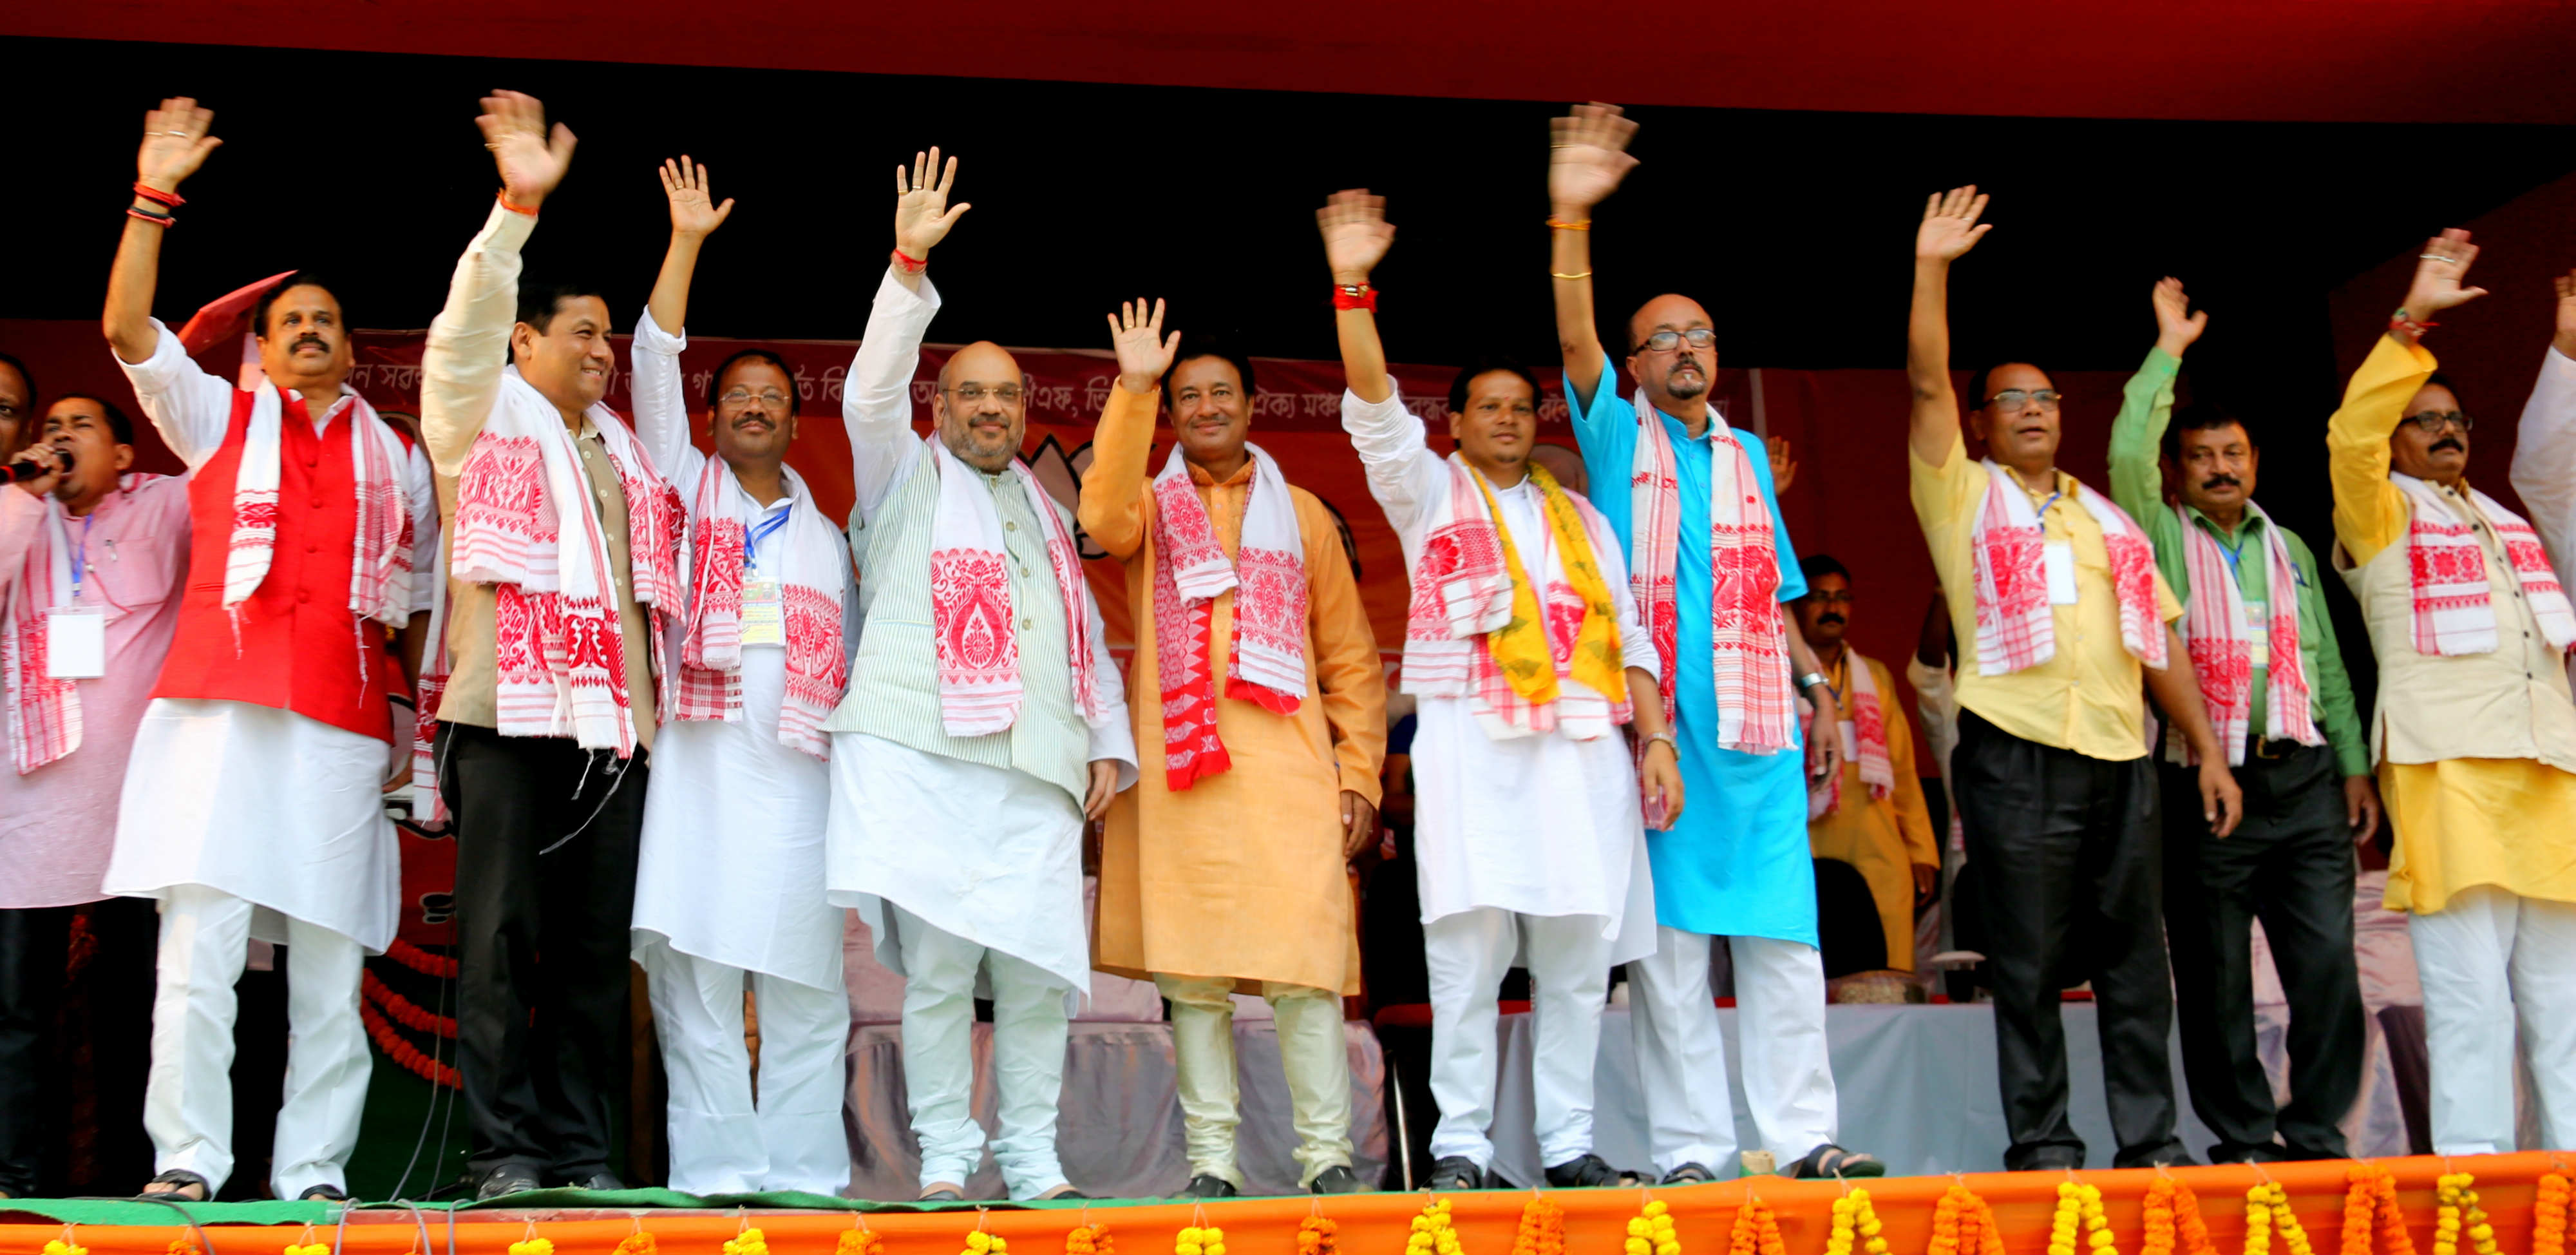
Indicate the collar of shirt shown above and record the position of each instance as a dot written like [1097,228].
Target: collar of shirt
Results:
[1680,431]
[1200,477]
[2245,527]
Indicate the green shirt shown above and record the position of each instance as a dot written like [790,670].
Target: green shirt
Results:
[2137,484]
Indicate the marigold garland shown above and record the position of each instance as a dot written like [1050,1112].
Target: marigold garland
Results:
[1542,1229]
[531,1246]
[64,1246]
[1082,1239]
[408,1055]
[636,1243]
[2258,1220]
[2158,1230]
[2459,1206]
[2293,1234]
[2394,1237]
[1317,1235]
[409,1014]
[1432,1234]
[1195,1240]
[747,1242]
[2360,1207]
[1757,1230]
[2078,1203]
[422,961]
[313,1248]
[1855,1222]
[978,1242]
[2549,1216]
[2189,1225]
[183,1245]
[1650,1231]
[1990,1236]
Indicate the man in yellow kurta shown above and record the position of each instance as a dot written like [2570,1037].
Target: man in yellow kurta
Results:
[1874,817]
[2475,733]
[1258,689]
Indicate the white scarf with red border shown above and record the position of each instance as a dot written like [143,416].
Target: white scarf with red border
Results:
[2454,605]
[2222,651]
[811,565]
[380,566]
[2016,626]
[1266,661]
[977,650]
[1868,718]
[44,711]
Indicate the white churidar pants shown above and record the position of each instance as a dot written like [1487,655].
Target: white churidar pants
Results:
[188,1100]
[2493,961]
[1681,1054]
[721,1141]
[1569,965]
[1029,1035]
[1311,1051]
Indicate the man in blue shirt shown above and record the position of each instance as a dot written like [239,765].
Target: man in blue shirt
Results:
[1736,863]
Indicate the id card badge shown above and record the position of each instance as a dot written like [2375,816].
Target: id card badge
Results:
[1851,741]
[2258,630]
[75,643]
[764,620]
[2061,573]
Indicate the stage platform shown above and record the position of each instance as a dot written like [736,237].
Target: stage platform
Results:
[1373,1224]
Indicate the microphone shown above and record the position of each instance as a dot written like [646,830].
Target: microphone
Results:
[15,471]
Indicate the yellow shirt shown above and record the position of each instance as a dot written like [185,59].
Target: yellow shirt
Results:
[1883,837]
[1241,875]
[2088,697]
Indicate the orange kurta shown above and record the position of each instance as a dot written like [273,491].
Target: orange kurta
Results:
[1242,874]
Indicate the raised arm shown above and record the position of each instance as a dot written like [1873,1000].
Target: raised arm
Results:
[661,400]
[2544,450]
[1113,488]
[1587,156]
[1950,228]
[175,143]
[1356,237]
[2146,409]
[460,365]
[876,397]
[2369,512]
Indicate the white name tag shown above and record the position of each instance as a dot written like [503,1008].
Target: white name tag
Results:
[764,619]
[2258,629]
[75,643]
[1851,741]
[2061,573]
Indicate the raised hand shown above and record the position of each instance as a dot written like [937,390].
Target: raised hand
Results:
[1784,468]
[531,159]
[2565,340]
[2176,326]
[1587,156]
[1950,227]
[693,211]
[922,215]
[1356,234]
[175,143]
[2438,271]
[1143,353]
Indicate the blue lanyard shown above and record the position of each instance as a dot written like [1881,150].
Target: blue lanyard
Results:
[80,556]
[2042,516]
[751,539]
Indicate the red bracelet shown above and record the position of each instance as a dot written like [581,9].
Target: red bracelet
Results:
[158,220]
[504,197]
[909,265]
[1355,296]
[157,196]
[2400,322]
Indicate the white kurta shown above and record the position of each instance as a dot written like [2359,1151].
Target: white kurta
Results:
[1536,825]
[730,866]
[280,810]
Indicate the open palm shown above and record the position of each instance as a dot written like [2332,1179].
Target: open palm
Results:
[2439,271]
[693,211]
[1356,233]
[175,143]
[922,216]
[1950,227]
[1143,352]
[1588,155]
[532,160]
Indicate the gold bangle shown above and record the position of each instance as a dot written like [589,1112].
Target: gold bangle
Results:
[1582,225]
[1559,274]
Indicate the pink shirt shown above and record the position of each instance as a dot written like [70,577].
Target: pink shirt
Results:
[58,823]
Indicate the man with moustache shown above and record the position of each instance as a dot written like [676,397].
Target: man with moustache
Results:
[2475,732]
[252,805]
[90,554]
[1711,562]
[2264,652]
[985,724]
[727,880]
[1257,678]
[2058,590]
[561,565]
[1523,648]
[17,402]
[1871,814]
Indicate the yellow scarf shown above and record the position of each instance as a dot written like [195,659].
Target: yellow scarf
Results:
[1520,647]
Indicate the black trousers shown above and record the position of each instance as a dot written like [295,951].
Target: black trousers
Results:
[34,943]
[2290,864]
[546,835]
[2068,851]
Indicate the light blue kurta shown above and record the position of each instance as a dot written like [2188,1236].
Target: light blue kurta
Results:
[1736,863]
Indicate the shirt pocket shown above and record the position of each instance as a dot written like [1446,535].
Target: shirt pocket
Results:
[133,574]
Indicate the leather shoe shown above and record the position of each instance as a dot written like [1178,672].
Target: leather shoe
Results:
[602,1180]
[1209,1185]
[508,1178]
[1456,1172]
[1338,1179]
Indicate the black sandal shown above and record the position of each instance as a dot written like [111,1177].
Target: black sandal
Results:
[1456,1172]
[1693,1173]
[323,1193]
[1829,1160]
[181,1179]
[1588,1170]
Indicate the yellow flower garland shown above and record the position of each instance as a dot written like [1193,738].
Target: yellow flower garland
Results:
[65,1246]
[2459,1203]
[978,1242]
[1650,1231]
[2079,1203]
[530,1246]
[747,1242]
[1432,1233]
[1855,1223]
[2258,1220]
[1199,1240]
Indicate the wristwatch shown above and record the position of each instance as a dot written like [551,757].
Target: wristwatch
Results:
[1652,737]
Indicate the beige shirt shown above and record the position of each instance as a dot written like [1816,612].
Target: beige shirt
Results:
[460,372]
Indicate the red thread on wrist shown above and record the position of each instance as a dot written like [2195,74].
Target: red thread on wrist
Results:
[2411,326]
[157,196]
[909,265]
[504,197]
[158,220]
[1355,296]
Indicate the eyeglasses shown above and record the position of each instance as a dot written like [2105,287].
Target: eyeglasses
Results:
[969,394]
[2011,399]
[1667,341]
[769,397]
[2431,422]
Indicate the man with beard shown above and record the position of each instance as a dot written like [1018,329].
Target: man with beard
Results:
[1258,681]
[984,724]
[1700,502]
[252,803]
[2254,618]
[561,567]
[1523,647]
[89,557]
[2476,735]
[2058,590]
[1871,814]
[728,879]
